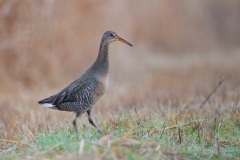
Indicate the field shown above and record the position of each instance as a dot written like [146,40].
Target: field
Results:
[167,123]
[154,107]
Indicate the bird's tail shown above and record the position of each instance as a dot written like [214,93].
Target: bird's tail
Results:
[48,102]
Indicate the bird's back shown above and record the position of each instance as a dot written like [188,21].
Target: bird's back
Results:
[80,95]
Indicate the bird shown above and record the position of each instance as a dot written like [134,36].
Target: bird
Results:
[81,95]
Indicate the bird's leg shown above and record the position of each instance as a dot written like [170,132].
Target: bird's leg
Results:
[75,123]
[91,121]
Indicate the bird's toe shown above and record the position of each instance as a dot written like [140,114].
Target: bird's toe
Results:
[100,131]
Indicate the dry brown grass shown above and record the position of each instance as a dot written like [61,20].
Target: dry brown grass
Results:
[180,51]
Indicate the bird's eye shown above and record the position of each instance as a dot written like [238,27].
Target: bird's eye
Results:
[111,35]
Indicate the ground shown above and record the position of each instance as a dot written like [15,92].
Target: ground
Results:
[155,117]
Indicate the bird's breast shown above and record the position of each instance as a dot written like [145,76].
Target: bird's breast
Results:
[102,86]
[105,82]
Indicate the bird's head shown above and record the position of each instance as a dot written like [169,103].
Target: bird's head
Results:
[111,36]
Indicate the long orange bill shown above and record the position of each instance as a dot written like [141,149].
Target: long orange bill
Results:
[123,40]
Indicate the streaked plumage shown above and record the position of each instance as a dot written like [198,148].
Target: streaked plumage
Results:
[81,95]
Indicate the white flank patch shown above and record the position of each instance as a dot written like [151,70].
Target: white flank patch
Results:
[48,105]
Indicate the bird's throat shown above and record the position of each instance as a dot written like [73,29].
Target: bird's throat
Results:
[102,62]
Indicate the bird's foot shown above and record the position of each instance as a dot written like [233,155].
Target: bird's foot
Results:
[100,131]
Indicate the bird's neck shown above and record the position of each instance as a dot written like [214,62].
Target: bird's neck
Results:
[103,52]
[101,64]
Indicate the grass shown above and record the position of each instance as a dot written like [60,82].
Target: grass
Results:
[162,121]
[45,46]
[135,135]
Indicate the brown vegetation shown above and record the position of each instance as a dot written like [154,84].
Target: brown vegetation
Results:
[180,49]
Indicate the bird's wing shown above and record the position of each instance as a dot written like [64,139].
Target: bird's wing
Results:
[63,95]
[80,92]
[77,92]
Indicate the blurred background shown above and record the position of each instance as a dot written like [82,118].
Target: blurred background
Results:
[180,49]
